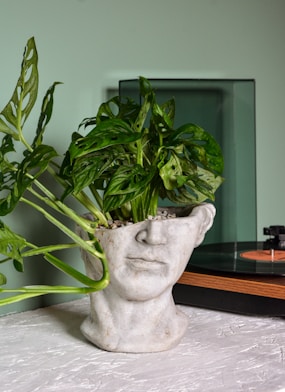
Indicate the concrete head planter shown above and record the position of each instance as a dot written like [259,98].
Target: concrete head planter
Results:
[136,312]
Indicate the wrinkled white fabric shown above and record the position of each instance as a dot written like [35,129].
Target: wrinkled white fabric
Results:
[44,351]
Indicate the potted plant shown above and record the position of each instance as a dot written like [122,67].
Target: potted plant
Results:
[132,157]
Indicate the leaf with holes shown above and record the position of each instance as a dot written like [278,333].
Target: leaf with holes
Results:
[17,110]
[108,133]
[127,183]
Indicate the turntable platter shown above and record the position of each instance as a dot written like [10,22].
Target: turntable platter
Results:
[239,257]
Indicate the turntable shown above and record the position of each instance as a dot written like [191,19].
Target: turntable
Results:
[242,277]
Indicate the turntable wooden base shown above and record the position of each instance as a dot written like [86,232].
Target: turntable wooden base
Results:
[241,293]
[264,286]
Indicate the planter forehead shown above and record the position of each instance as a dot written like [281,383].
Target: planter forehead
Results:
[136,312]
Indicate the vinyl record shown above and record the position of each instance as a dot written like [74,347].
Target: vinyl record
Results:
[239,257]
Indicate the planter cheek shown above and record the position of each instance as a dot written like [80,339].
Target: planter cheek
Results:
[136,312]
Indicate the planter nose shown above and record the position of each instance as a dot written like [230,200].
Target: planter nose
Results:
[152,234]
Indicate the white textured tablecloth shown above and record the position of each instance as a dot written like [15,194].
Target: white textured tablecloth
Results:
[43,350]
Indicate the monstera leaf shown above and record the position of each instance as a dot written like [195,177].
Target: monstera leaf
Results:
[17,110]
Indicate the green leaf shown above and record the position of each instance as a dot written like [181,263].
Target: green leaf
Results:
[45,116]
[3,279]
[145,87]
[171,171]
[11,244]
[186,182]
[163,116]
[201,146]
[107,133]
[147,93]
[17,179]
[127,179]
[36,161]
[123,108]
[196,188]
[6,145]
[88,169]
[15,113]
[7,169]
[127,183]
[18,265]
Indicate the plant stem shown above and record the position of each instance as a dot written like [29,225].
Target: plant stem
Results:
[86,202]
[83,198]
[19,125]
[139,153]
[36,250]
[96,284]
[36,291]
[83,244]
[58,206]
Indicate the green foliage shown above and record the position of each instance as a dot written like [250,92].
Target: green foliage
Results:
[11,244]
[22,177]
[17,110]
[132,156]
[133,150]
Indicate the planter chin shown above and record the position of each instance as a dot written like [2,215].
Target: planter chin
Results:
[136,313]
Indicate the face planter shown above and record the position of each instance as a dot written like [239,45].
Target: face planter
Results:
[136,312]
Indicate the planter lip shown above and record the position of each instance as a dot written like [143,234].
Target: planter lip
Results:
[172,212]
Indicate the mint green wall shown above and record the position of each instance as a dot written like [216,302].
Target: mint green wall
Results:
[91,44]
